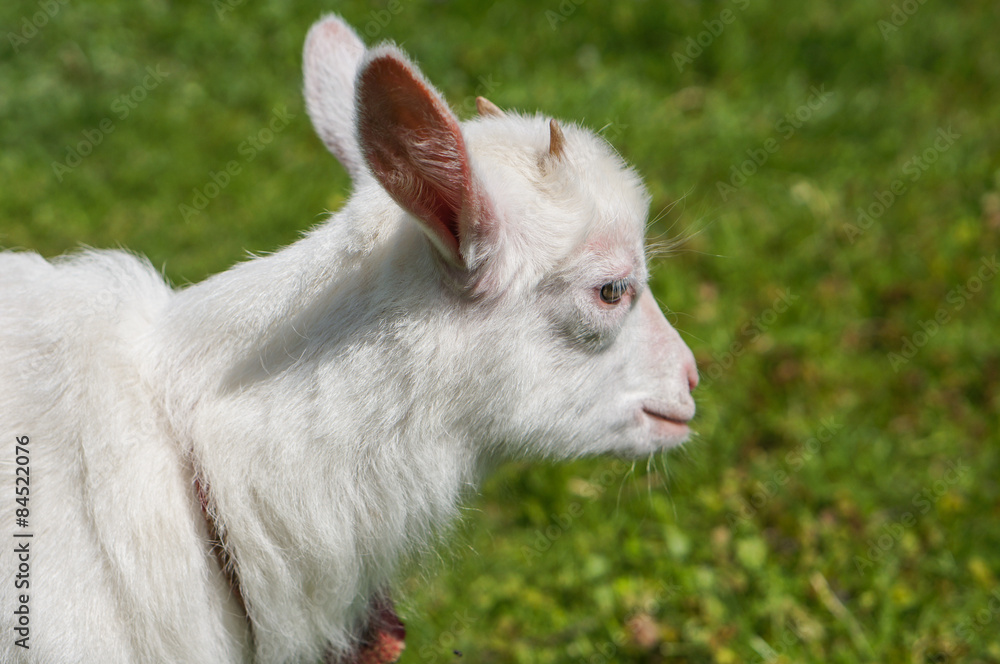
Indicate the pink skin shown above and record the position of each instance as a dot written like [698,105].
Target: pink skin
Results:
[668,414]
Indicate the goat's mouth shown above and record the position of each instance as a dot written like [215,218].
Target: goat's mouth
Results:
[672,427]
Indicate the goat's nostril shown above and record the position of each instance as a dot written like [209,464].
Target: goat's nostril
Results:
[692,372]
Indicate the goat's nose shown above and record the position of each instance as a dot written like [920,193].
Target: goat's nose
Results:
[692,374]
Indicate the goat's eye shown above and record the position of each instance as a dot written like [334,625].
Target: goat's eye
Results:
[612,292]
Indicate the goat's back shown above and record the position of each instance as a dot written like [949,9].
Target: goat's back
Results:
[110,511]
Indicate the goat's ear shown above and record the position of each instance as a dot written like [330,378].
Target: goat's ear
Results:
[414,147]
[330,61]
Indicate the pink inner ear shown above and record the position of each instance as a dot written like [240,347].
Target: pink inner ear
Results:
[414,146]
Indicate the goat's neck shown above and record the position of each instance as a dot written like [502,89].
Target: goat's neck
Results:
[329,449]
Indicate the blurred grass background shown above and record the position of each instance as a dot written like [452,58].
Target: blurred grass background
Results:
[840,502]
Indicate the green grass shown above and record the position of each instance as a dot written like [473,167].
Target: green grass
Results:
[818,515]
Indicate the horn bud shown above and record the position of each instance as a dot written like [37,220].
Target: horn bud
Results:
[557,142]
[487,108]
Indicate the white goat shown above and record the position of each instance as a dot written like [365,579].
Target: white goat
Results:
[233,471]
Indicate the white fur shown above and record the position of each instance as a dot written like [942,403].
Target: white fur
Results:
[337,397]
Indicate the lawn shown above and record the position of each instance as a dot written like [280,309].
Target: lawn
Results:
[832,175]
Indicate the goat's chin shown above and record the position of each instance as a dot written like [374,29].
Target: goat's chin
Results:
[649,437]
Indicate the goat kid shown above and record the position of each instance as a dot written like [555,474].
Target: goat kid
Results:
[234,471]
